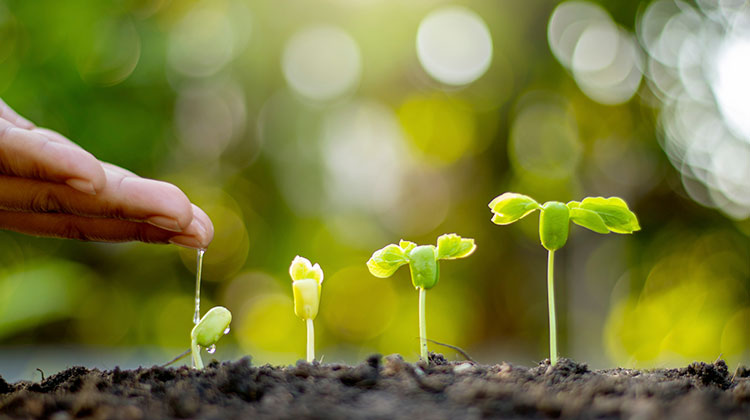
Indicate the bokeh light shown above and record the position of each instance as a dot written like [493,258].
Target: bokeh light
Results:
[208,37]
[697,66]
[454,45]
[549,150]
[322,63]
[602,56]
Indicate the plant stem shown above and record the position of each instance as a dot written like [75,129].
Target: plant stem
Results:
[422,326]
[196,352]
[310,341]
[551,302]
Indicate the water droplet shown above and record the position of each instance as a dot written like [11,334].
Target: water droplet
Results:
[198,272]
[226,331]
[212,349]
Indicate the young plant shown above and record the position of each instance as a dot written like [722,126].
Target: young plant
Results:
[307,280]
[423,263]
[602,215]
[213,326]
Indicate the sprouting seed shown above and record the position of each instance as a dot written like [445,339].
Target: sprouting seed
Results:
[424,266]
[213,326]
[307,280]
[602,215]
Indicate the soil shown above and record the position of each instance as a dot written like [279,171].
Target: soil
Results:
[384,388]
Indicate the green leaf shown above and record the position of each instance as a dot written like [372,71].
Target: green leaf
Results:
[425,270]
[406,246]
[451,246]
[614,212]
[588,219]
[554,225]
[384,262]
[509,207]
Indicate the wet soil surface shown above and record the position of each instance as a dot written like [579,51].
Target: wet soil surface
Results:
[384,388]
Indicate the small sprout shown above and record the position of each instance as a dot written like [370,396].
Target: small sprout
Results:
[306,284]
[424,267]
[213,326]
[602,215]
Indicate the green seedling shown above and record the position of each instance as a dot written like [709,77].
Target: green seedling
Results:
[213,326]
[425,269]
[307,280]
[602,215]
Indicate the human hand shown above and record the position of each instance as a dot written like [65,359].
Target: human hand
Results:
[49,186]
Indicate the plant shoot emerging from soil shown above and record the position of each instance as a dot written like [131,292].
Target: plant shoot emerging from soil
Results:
[423,263]
[307,280]
[602,215]
[213,326]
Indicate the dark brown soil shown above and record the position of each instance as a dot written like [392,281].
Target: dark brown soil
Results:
[384,388]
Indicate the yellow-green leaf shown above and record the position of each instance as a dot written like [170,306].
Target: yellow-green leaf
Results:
[384,262]
[451,246]
[509,207]
[588,219]
[614,212]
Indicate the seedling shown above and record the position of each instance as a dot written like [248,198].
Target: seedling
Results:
[307,280]
[423,263]
[213,326]
[602,215]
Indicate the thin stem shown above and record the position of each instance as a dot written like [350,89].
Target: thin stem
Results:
[422,326]
[310,341]
[551,302]
[195,349]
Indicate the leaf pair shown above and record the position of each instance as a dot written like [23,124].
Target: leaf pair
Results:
[423,260]
[602,215]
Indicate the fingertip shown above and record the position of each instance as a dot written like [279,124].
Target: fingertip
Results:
[199,234]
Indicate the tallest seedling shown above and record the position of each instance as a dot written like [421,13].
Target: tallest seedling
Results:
[602,215]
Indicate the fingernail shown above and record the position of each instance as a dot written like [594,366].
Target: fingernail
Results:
[81,185]
[163,222]
[186,241]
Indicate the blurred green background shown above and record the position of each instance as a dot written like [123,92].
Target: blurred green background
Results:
[331,128]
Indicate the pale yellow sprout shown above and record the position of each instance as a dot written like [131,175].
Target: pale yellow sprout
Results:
[307,280]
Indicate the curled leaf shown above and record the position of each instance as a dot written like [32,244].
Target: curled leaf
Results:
[588,219]
[451,246]
[384,262]
[301,268]
[212,326]
[509,207]
[614,212]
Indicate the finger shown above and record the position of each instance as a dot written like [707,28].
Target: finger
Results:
[92,229]
[25,153]
[59,138]
[54,136]
[123,197]
[203,231]
[116,169]
[12,116]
